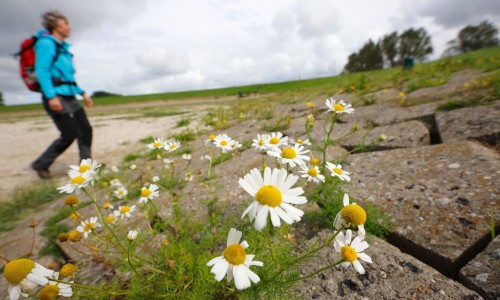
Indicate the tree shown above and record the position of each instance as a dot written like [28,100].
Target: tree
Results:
[389,47]
[368,58]
[415,43]
[1,99]
[98,94]
[473,38]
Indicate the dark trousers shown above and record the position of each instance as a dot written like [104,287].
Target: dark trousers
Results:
[71,126]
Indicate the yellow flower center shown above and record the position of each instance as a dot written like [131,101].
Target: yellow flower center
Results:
[121,192]
[312,172]
[110,218]
[261,142]
[211,137]
[349,254]
[353,214]
[338,107]
[173,146]
[68,270]
[157,144]
[235,254]
[337,170]
[77,180]
[288,153]
[74,216]
[314,161]
[75,236]
[269,195]
[274,140]
[16,270]
[125,209]
[84,168]
[223,143]
[106,205]
[48,292]
[89,226]
[299,141]
[145,192]
[71,200]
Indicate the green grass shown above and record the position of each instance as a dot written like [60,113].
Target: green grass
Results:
[23,201]
[182,122]
[364,82]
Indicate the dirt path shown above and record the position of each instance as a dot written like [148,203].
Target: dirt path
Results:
[24,137]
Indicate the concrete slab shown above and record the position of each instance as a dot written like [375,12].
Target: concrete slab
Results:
[441,197]
[482,274]
[481,123]
[392,275]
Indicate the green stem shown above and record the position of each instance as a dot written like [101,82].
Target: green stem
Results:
[128,258]
[308,253]
[90,287]
[327,139]
[99,212]
[320,270]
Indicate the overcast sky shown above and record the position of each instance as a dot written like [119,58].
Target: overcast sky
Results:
[151,46]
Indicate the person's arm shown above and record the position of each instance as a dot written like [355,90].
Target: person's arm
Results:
[45,51]
[88,101]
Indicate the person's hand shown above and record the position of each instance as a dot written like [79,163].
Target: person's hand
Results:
[55,104]
[88,101]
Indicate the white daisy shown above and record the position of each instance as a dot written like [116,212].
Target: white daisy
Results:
[276,140]
[149,193]
[114,169]
[312,173]
[189,176]
[158,143]
[88,226]
[132,235]
[290,155]
[273,195]
[120,192]
[155,179]
[54,288]
[351,251]
[133,167]
[235,145]
[26,274]
[351,214]
[124,211]
[340,107]
[223,141]
[301,142]
[206,157]
[235,263]
[86,165]
[186,156]
[115,182]
[78,181]
[261,142]
[172,146]
[210,140]
[338,172]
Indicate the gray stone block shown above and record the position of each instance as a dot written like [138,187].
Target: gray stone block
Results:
[482,274]
[480,123]
[441,198]
[392,275]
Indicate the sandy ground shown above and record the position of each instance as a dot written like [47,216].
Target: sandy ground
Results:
[25,136]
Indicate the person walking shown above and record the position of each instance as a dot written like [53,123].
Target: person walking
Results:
[55,73]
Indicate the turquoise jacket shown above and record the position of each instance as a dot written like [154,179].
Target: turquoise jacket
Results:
[46,68]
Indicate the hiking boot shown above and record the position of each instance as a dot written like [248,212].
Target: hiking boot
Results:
[43,173]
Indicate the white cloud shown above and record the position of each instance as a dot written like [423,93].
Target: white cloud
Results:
[154,46]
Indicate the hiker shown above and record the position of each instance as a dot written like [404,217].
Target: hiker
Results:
[55,74]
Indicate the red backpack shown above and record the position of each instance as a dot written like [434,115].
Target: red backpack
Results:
[27,62]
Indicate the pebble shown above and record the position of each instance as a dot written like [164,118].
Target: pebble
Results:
[454,166]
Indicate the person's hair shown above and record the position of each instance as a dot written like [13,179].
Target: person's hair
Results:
[50,18]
